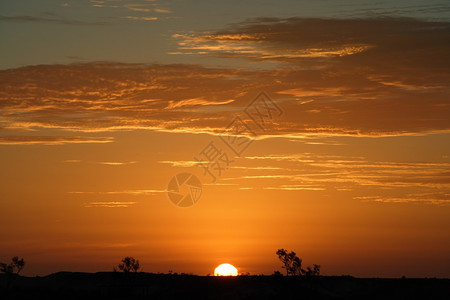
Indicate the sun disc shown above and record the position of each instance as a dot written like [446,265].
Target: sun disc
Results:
[225,270]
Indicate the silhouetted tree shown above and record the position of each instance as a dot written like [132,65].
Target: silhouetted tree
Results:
[277,273]
[314,271]
[291,262]
[15,264]
[18,263]
[5,268]
[129,264]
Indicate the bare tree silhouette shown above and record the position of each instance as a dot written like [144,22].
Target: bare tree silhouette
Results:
[6,268]
[15,264]
[314,271]
[277,273]
[13,268]
[129,264]
[291,262]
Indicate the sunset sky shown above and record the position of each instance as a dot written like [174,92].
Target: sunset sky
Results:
[103,102]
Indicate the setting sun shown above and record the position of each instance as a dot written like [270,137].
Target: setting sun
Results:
[225,270]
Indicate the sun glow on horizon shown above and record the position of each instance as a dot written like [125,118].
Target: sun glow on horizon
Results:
[225,270]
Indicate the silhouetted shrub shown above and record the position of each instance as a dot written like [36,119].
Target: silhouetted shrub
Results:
[293,264]
[277,273]
[129,264]
[15,264]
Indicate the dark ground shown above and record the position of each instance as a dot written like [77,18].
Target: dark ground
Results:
[68,285]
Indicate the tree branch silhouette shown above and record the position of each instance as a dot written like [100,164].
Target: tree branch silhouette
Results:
[293,264]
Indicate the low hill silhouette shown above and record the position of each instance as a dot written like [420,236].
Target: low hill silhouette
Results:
[113,285]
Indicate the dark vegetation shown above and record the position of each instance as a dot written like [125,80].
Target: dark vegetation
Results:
[129,264]
[110,285]
[293,265]
[15,266]
[11,271]
[127,282]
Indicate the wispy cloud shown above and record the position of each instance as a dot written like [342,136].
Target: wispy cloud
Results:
[137,192]
[403,61]
[162,10]
[402,89]
[251,45]
[52,140]
[116,163]
[110,204]
[105,102]
[72,161]
[419,182]
[298,40]
[53,20]
[180,163]
[295,187]
[141,18]
[125,192]
[196,102]
[144,10]
[437,198]
[106,163]
[138,7]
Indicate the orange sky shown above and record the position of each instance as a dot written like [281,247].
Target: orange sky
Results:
[352,173]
